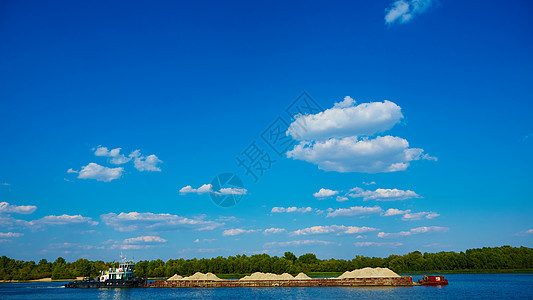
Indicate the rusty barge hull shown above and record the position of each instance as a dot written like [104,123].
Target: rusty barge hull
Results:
[396,281]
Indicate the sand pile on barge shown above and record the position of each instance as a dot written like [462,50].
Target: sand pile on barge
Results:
[175,277]
[369,273]
[268,276]
[301,276]
[202,276]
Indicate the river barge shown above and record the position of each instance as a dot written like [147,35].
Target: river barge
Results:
[393,281]
[433,280]
[121,277]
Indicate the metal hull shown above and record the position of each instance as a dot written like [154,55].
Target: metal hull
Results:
[110,283]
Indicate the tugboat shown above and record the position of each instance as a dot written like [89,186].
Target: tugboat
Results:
[121,277]
[433,280]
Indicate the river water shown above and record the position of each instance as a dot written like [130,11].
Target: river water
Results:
[461,286]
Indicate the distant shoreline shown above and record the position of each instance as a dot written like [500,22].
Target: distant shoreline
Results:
[473,271]
[46,279]
[319,274]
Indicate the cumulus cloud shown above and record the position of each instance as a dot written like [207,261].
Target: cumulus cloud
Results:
[51,220]
[74,246]
[114,154]
[62,220]
[135,221]
[525,232]
[394,212]
[273,230]
[148,163]
[354,211]
[144,239]
[231,191]
[368,244]
[325,193]
[100,173]
[335,229]
[378,155]
[204,240]
[206,188]
[369,183]
[419,216]
[383,194]
[414,231]
[16,209]
[237,231]
[342,198]
[10,234]
[227,219]
[403,11]
[346,120]
[291,209]
[340,139]
[297,243]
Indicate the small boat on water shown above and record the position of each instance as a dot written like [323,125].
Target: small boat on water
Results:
[121,277]
[433,280]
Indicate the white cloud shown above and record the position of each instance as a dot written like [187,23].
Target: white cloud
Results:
[296,243]
[383,194]
[10,234]
[134,221]
[148,163]
[204,240]
[63,220]
[341,198]
[206,188]
[525,232]
[346,120]
[5,184]
[274,230]
[354,211]
[414,231]
[369,183]
[100,173]
[394,212]
[74,245]
[437,245]
[339,139]
[378,155]
[231,191]
[335,229]
[403,11]
[227,219]
[291,209]
[114,154]
[16,209]
[237,231]
[324,193]
[419,216]
[368,244]
[346,102]
[144,239]
[71,171]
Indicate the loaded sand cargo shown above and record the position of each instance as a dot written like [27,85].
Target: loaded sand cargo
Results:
[361,277]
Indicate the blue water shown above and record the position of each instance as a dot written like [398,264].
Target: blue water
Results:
[462,286]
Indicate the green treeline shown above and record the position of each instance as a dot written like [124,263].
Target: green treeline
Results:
[505,257]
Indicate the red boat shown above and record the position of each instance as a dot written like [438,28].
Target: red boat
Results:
[433,280]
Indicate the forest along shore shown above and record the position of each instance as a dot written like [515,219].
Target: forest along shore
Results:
[503,259]
[46,279]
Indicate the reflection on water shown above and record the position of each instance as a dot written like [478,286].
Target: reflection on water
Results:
[465,286]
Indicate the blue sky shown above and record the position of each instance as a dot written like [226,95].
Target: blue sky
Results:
[423,141]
